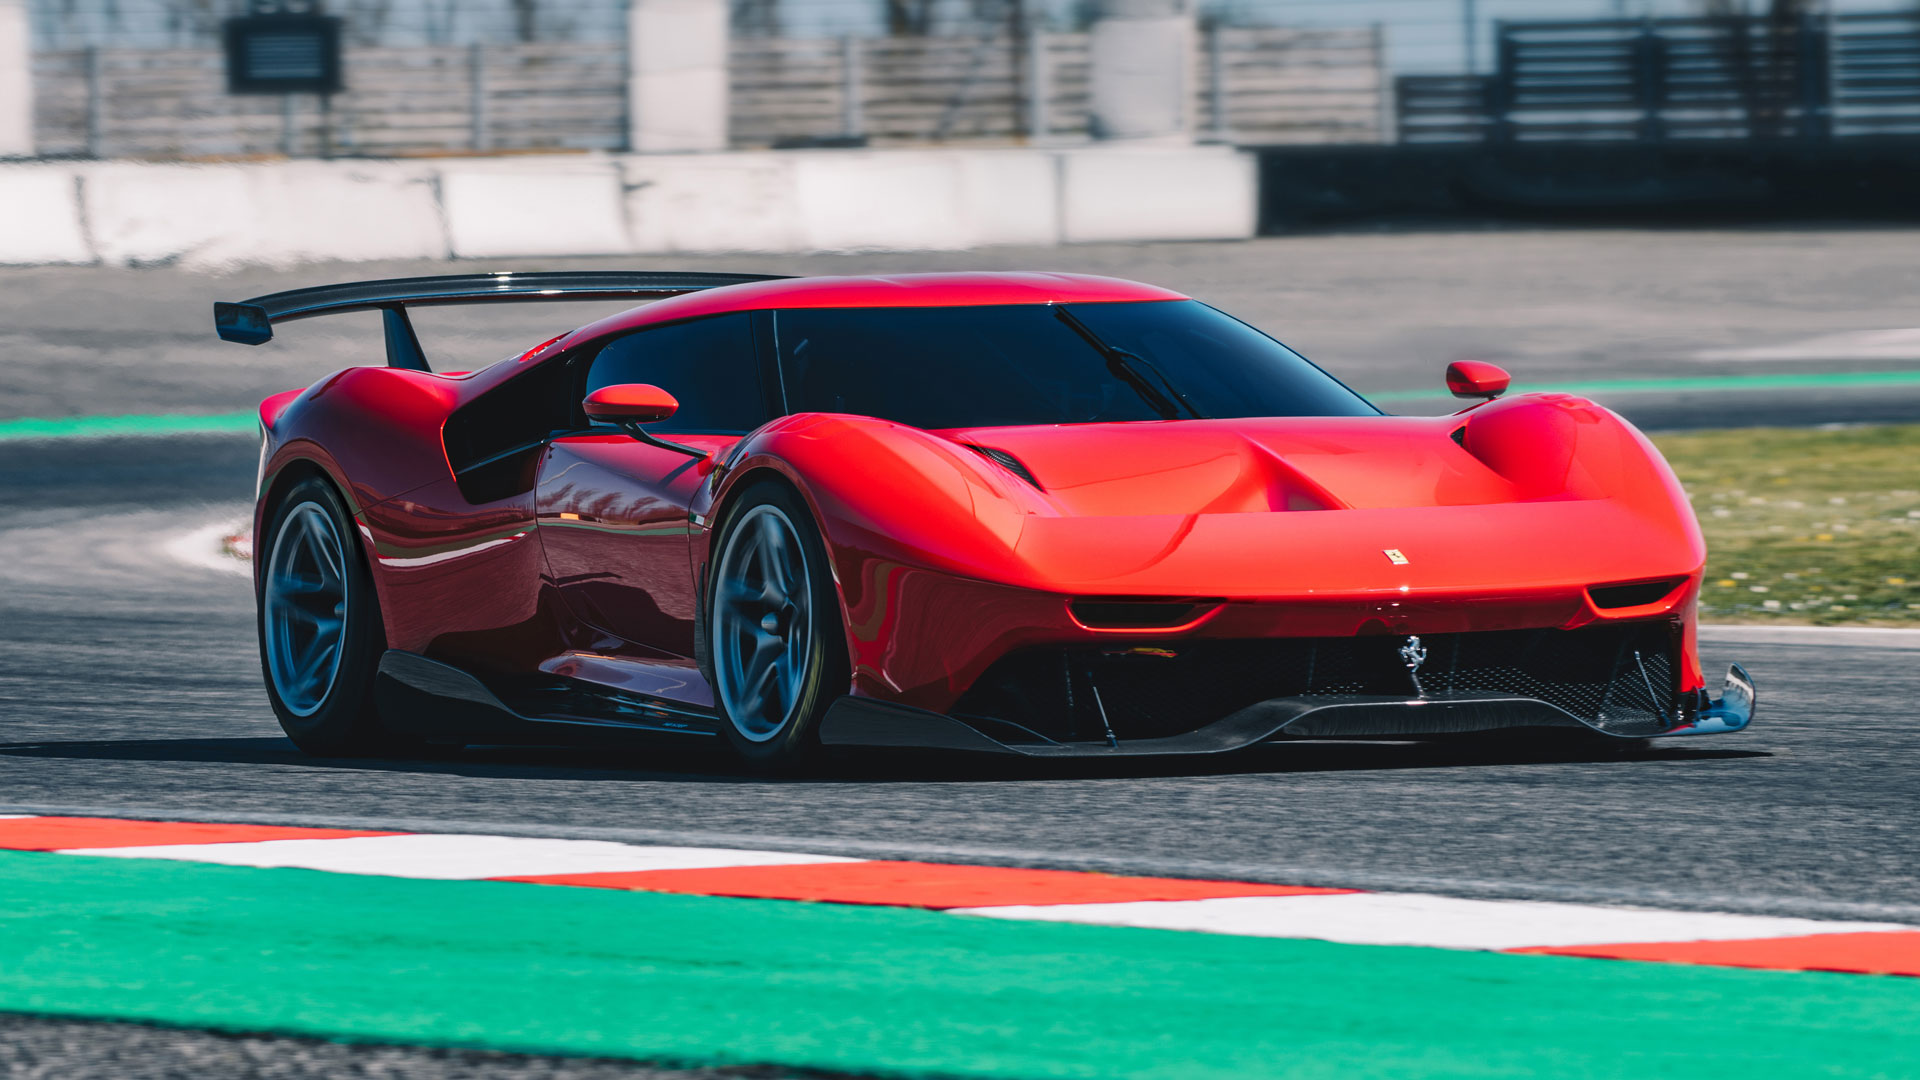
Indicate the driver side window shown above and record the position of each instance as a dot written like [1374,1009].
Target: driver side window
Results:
[708,365]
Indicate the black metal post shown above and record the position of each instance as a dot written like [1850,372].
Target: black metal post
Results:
[1816,102]
[1470,26]
[1502,86]
[1649,81]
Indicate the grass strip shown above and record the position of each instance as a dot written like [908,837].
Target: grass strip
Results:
[1806,525]
[699,980]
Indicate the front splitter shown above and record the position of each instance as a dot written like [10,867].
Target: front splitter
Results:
[871,723]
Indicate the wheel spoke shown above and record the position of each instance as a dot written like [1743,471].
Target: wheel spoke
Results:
[757,687]
[291,587]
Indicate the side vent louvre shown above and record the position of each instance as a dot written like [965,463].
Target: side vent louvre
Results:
[1008,462]
[1633,594]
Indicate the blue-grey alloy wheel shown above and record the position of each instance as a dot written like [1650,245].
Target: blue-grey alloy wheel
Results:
[306,592]
[763,623]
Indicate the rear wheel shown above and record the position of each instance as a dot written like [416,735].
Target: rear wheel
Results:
[320,631]
[775,646]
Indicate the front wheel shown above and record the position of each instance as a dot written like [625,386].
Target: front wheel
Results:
[775,645]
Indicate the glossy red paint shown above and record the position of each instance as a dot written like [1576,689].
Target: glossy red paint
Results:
[635,402]
[1477,379]
[899,290]
[272,407]
[944,560]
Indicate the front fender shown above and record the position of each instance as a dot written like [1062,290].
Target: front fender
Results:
[890,491]
[916,526]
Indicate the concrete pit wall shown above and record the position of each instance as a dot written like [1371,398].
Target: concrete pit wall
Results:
[286,213]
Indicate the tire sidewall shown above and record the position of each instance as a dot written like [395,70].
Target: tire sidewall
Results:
[827,667]
[346,721]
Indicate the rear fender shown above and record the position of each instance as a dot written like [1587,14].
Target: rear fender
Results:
[373,432]
[377,430]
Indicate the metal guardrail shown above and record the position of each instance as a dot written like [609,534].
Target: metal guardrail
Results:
[1658,80]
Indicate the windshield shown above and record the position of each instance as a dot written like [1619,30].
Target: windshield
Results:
[952,367]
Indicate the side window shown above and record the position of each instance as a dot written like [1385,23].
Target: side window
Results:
[708,365]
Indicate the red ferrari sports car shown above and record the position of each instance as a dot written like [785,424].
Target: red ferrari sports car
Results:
[1038,514]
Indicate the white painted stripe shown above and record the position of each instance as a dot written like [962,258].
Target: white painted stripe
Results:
[456,856]
[1419,919]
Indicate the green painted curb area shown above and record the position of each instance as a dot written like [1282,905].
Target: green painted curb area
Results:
[696,980]
[102,427]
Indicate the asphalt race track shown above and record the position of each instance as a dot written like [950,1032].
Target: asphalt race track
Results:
[129,682]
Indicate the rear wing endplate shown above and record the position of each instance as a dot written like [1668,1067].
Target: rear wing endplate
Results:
[251,322]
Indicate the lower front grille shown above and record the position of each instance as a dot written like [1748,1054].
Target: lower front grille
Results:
[1620,678]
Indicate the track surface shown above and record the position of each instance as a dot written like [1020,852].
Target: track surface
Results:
[82,1049]
[129,681]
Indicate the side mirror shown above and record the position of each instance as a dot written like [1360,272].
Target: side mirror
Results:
[1475,379]
[630,403]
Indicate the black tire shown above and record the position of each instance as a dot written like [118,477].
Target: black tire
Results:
[341,720]
[785,734]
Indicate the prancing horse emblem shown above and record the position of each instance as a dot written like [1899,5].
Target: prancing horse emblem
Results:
[1414,654]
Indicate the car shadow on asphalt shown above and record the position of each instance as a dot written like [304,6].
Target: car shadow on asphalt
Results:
[678,765]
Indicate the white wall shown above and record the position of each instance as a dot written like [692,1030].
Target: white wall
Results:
[282,213]
[677,75]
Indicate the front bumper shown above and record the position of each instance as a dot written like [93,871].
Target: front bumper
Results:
[1616,682]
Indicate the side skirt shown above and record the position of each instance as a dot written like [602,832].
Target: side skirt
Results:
[438,701]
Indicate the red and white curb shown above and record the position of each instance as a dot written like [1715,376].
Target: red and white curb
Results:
[1000,892]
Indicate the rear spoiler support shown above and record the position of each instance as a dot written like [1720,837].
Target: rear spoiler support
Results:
[403,345]
[251,322]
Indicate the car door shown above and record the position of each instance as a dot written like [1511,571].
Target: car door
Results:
[612,511]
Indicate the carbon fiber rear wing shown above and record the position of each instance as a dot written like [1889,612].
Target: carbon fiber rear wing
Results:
[251,322]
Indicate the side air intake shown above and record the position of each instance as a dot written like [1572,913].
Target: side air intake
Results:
[1633,594]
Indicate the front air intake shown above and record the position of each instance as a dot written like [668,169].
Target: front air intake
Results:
[1138,614]
[1633,594]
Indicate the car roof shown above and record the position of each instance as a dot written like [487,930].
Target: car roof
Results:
[973,289]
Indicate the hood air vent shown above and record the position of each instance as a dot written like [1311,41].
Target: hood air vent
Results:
[1007,461]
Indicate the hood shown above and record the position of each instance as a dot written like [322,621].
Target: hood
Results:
[1247,466]
[1538,492]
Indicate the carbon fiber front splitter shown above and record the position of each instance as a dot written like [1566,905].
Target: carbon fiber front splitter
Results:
[867,722]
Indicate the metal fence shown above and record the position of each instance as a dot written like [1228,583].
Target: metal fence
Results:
[1679,79]
[172,103]
[1250,86]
